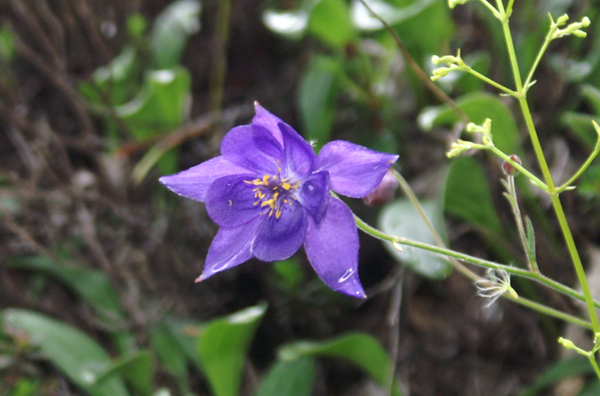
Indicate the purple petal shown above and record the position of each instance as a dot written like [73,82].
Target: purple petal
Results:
[299,155]
[231,247]
[355,170]
[313,194]
[254,148]
[268,121]
[278,239]
[230,201]
[194,182]
[332,249]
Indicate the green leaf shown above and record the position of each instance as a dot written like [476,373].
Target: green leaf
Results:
[558,372]
[530,237]
[169,351]
[357,348]
[71,350]
[592,96]
[223,346]
[316,98]
[93,286]
[291,24]
[290,378]
[365,21]
[581,125]
[7,45]
[468,197]
[401,218]
[171,30]
[137,370]
[160,106]
[330,22]
[479,106]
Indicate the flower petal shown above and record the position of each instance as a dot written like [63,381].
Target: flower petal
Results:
[231,247]
[254,148]
[268,121]
[194,182]
[299,154]
[332,249]
[278,239]
[313,194]
[355,170]
[230,201]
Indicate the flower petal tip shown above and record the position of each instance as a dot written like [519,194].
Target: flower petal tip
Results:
[199,279]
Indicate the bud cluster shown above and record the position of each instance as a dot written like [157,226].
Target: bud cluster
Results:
[453,62]
[574,28]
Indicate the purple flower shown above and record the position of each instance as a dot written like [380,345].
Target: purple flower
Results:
[269,192]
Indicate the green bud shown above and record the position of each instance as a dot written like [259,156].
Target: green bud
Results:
[454,3]
[566,343]
[562,20]
[459,147]
[579,33]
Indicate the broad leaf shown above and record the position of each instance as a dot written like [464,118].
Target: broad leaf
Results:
[559,371]
[581,125]
[137,370]
[357,348]
[223,346]
[72,351]
[479,106]
[329,22]
[290,378]
[400,218]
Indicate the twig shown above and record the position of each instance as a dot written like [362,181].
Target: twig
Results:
[441,95]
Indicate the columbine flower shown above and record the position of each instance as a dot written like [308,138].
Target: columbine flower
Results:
[269,192]
[494,285]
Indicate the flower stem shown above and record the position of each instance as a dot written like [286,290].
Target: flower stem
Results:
[512,191]
[558,209]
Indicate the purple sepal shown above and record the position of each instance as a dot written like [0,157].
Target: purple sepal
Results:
[299,155]
[194,182]
[279,238]
[314,194]
[268,121]
[332,249]
[254,148]
[355,171]
[231,247]
[230,201]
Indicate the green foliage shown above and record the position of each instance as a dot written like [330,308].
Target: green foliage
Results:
[359,349]
[79,357]
[400,217]
[290,378]
[559,371]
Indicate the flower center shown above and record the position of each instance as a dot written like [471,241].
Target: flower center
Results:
[272,192]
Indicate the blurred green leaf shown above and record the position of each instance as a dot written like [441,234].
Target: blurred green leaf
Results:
[161,105]
[581,125]
[589,185]
[7,45]
[390,13]
[136,25]
[360,349]
[71,350]
[289,274]
[290,23]
[592,389]
[290,378]
[137,370]
[329,22]
[223,346]
[171,30]
[479,106]
[168,350]
[316,98]
[25,387]
[592,96]
[468,197]
[559,371]
[401,218]
[93,286]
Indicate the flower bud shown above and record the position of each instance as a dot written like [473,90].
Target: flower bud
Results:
[508,168]
[384,192]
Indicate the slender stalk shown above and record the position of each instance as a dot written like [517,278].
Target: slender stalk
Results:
[512,191]
[538,58]
[491,8]
[524,171]
[548,177]
[585,165]
[594,364]
[493,83]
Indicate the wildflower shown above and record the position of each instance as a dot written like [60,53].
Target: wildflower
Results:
[494,285]
[270,194]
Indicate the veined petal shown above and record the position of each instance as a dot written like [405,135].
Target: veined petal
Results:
[268,121]
[254,148]
[194,182]
[313,194]
[231,247]
[332,249]
[279,238]
[355,171]
[299,155]
[231,201]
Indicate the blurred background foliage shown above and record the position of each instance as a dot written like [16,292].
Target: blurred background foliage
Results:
[98,98]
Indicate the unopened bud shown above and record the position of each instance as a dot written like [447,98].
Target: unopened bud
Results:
[384,193]
[508,168]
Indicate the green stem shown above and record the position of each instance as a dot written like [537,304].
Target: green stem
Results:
[524,171]
[539,57]
[491,8]
[584,166]
[592,359]
[548,177]
[512,190]
[492,82]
